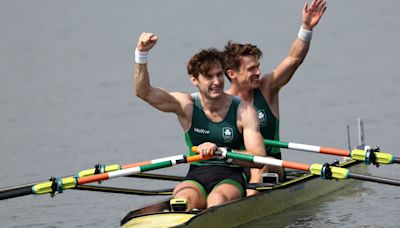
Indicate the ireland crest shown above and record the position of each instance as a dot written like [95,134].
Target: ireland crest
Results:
[227,133]
[262,117]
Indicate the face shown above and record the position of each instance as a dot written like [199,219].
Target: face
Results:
[212,84]
[249,72]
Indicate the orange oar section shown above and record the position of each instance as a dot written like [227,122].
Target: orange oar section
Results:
[295,165]
[94,178]
[195,158]
[136,164]
[335,151]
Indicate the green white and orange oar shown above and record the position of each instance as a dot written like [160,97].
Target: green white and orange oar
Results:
[100,168]
[57,185]
[368,155]
[25,189]
[326,171]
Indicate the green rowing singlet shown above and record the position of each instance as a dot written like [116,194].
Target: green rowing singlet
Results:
[223,134]
[269,124]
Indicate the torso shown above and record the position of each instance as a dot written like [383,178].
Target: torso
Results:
[223,131]
[269,124]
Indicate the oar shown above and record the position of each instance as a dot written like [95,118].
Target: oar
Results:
[157,176]
[130,191]
[367,155]
[326,171]
[26,189]
[57,185]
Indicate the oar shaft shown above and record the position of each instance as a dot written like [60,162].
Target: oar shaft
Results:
[267,161]
[374,179]
[357,154]
[125,190]
[144,168]
[326,171]
[59,184]
[16,192]
[307,148]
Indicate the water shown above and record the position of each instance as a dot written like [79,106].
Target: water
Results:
[67,101]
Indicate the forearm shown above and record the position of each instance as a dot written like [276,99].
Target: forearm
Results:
[285,70]
[142,81]
[298,52]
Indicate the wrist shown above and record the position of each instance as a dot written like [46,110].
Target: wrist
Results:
[141,56]
[306,27]
[304,34]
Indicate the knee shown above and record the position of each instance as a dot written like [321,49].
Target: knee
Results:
[216,198]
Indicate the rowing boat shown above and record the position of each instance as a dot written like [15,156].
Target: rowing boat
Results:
[300,187]
[303,183]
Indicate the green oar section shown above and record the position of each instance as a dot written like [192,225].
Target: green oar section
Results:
[368,155]
[326,171]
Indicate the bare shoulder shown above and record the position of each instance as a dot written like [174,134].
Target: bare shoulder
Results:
[182,97]
[266,82]
[246,110]
[185,100]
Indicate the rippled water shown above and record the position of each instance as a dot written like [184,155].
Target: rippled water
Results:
[67,101]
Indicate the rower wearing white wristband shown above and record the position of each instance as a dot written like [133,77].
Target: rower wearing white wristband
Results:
[145,43]
[140,56]
[304,35]
[247,82]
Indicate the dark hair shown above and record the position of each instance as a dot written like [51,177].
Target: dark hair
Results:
[233,52]
[202,62]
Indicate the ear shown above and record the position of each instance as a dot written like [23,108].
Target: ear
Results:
[194,80]
[231,74]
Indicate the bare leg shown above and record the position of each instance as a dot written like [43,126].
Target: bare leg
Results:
[222,194]
[190,192]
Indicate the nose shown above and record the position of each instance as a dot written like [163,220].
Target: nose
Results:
[216,80]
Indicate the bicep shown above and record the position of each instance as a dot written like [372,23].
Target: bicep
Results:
[164,101]
[253,139]
[280,76]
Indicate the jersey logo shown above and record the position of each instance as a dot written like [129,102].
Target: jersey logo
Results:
[201,131]
[227,133]
[262,117]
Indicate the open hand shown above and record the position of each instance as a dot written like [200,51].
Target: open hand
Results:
[312,14]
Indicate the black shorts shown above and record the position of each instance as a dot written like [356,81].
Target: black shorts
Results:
[209,176]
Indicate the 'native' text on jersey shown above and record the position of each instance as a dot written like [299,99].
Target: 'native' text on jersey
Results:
[269,124]
[224,133]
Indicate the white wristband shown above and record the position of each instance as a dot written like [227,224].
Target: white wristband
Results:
[304,35]
[141,56]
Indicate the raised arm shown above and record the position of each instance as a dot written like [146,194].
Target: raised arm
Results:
[272,82]
[157,97]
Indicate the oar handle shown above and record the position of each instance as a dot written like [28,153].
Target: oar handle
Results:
[195,149]
[196,158]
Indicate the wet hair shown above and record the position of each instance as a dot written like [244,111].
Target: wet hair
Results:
[233,52]
[202,62]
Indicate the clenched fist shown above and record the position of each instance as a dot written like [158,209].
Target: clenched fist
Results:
[146,41]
